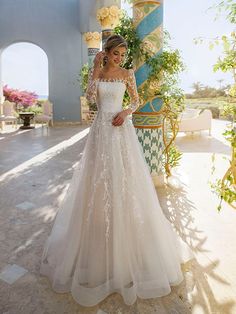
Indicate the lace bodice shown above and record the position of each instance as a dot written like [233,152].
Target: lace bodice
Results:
[108,93]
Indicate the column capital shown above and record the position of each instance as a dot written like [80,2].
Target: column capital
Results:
[92,39]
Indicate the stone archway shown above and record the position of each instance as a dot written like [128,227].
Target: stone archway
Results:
[24,61]
[58,34]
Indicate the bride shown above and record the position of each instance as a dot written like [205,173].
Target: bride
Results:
[110,234]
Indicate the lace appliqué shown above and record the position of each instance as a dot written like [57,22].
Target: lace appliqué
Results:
[129,81]
[91,92]
[132,90]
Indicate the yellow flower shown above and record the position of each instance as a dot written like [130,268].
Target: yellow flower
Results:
[102,13]
[114,10]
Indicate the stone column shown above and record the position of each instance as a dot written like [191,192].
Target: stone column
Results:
[93,41]
[148,20]
[108,17]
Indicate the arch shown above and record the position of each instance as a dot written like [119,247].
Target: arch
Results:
[44,87]
[54,27]
[23,40]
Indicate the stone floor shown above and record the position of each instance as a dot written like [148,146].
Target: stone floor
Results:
[35,170]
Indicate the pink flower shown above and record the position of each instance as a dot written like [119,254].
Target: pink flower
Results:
[20,98]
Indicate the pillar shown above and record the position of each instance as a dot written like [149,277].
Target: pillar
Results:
[108,17]
[148,20]
[93,41]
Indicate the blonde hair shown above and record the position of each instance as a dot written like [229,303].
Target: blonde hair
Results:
[114,41]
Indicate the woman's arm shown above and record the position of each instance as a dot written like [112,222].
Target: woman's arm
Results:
[91,92]
[133,93]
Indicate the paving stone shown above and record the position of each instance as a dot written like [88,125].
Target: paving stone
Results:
[209,286]
[25,205]
[11,273]
[17,221]
[101,312]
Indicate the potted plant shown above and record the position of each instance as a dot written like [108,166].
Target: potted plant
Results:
[25,101]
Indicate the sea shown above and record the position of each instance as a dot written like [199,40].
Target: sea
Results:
[42,97]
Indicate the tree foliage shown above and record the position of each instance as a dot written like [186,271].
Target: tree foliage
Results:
[225,187]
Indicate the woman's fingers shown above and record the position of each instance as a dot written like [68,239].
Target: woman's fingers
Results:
[99,56]
[118,117]
[117,121]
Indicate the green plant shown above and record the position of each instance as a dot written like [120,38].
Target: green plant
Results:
[162,82]
[127,30]
[83,77]
[36,109]
[228,62]
[170,127]
[225,187]
[165,68]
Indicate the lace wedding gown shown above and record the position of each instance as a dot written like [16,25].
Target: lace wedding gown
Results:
[110,234]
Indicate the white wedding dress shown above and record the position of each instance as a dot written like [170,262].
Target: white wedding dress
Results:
[110,234]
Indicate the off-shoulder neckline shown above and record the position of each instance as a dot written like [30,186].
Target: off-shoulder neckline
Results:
[111,80]
[122,80]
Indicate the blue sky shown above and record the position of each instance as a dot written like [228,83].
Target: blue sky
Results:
[24,66]
[190,19]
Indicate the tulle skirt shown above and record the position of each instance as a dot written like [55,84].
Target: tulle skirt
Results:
[110,234]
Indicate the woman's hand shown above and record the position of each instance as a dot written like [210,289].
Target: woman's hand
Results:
[98,59]
[97,64]
[119,118]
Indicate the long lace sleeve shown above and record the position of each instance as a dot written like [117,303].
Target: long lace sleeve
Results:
[91,92]
[132,90]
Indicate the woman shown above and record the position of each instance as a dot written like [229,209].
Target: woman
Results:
[110,234]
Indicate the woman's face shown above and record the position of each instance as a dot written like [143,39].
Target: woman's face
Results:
[116,56]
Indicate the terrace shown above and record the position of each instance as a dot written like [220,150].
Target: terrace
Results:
[35,171]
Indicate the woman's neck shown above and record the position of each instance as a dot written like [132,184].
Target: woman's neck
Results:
[110,68]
